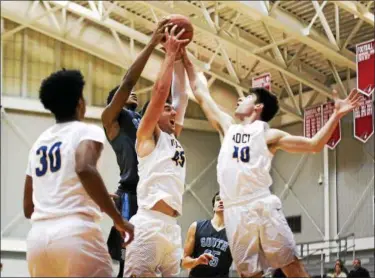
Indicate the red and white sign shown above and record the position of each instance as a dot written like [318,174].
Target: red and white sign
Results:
[365,67]
[327,110]
[312,121]
[263,81]
[364,119]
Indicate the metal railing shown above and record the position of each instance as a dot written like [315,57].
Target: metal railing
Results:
[339,247]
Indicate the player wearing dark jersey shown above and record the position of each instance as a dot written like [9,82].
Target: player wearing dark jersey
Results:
[120,122]
[206,250]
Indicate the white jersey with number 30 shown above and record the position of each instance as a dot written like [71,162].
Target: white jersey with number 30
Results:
[57,190]
[244,163]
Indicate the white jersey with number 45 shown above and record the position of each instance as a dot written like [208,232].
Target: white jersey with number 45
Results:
[244,163]
[57,190]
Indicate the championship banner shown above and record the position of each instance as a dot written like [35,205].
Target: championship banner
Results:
[364,119]
[263,81]
[312,121]
[328,109]
[365,67]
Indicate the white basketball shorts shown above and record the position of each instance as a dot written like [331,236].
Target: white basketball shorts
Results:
[259,236]
[71,246]
[156,249]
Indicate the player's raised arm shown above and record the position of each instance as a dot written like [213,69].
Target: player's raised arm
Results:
[180,96]
[278,139]
[161,88]
[198,83]
[113,109]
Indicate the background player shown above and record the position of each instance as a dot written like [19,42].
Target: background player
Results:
[206,250]
[157,246]
[257,231]
[120,122]
[64,192]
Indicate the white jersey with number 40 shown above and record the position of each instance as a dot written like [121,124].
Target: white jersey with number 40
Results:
[57,190]
[244,163]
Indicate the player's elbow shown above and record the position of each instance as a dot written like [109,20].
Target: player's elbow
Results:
[83,169]
[315,147]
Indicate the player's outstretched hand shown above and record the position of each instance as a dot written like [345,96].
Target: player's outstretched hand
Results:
[173,43]
[158,34]
[342,107]
[204,259]
[126,230]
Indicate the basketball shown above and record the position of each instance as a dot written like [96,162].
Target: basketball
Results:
[182,22]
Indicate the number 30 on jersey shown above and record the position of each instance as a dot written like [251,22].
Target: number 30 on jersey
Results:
[50,159]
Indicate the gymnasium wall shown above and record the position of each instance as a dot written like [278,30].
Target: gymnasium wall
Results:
[355,168]
[305,187]
[354,171]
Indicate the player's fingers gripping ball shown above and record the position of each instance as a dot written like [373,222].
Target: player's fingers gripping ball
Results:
[182,22]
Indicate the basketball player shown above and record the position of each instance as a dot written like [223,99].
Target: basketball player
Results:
[257,231]
[156,249]
[120,122]
[64,192]
[206,251]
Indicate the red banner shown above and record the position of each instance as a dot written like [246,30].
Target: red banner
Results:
[262,81]
[364,119]
[365,67]
[328,109]
[312,121]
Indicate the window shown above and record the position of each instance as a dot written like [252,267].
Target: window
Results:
[12,61]
[294,223]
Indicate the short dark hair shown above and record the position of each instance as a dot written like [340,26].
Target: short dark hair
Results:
[61,91]
[214,197]
[145,106]
[111,94]
[269,101]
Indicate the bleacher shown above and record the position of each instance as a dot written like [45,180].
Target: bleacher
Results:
[320,257]
[314,267]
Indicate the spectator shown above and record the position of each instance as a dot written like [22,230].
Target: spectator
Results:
[343,268]
[358,271]
[338,272]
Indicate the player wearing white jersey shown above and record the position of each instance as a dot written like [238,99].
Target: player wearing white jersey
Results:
[156,249]
[64,193]
[257,231]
